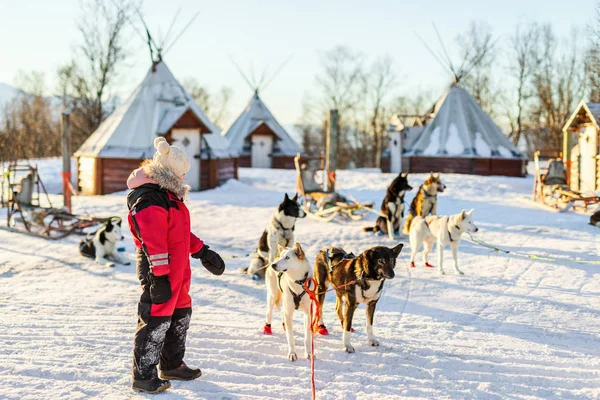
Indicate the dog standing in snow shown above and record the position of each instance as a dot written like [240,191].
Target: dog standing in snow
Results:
[285,283]
[355,280]
[443,230]
[425,201]
[392,206]
[279,232]
[103,246]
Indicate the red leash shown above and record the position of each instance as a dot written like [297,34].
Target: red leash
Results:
[310,286]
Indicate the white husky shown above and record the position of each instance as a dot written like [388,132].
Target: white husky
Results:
[285,281]
[443,230]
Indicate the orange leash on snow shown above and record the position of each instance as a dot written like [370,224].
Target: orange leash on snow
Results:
[310,287]
[314,325]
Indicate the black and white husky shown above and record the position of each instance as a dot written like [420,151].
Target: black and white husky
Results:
[103,246]
[279,232]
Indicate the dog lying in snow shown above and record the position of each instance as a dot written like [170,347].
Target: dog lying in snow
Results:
[392,206]
[103,246]
[355,280]
[285,282]
[443,230]
[279,232]
[425,201]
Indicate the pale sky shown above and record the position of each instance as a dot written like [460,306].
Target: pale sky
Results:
[39,35]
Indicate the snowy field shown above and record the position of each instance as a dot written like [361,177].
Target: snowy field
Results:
[509,328]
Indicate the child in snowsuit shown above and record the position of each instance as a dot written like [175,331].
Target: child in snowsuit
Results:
[160,225]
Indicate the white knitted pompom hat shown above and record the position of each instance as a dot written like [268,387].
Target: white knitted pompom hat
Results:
[170,157]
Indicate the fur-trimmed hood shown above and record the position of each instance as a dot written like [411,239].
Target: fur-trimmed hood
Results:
[164,177]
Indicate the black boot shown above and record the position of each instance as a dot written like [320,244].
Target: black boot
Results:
[182,373]
[151,386]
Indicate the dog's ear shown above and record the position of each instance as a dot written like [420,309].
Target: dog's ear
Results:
[436,175]
[286,198]
[404,174]
[295,198]
[463,215]
[397,249]
[298,251]
[109,226]
[470,212]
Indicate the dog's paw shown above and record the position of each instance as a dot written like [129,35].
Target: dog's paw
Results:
[349,348]
[127,263]
[459,272]
[374,342]
[111,264]
[292,357]
[309,356]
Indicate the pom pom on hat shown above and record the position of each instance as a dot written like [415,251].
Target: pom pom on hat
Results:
[170,157]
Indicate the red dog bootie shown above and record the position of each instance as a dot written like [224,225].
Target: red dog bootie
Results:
[322,330]
[412,264]
[428,265]
[267,329]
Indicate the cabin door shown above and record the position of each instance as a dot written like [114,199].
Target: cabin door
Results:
[588,147]
[262,148]
[189,141]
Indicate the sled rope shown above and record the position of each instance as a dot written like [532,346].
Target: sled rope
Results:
[310,287]
[552,259]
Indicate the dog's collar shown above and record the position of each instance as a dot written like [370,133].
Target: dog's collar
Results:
[450,233]
[283,227]
[427,194]
[297,297]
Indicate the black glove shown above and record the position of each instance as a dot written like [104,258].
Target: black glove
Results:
[210,260]
[160,288]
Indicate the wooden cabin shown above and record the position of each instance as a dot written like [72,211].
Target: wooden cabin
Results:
[158,107]
[581,153]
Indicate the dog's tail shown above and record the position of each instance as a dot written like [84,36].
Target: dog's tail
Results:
[371,228]
[409,219]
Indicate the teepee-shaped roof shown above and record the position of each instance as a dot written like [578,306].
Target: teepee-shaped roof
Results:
[253,116]
[152,110]
[461,128]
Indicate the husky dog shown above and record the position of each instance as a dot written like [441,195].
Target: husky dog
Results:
[392,206]
[285,282]
[355,280]
[443,230]
[280,231]
[425,201]
[103,246]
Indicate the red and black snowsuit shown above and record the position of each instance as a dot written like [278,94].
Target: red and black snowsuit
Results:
[160,225]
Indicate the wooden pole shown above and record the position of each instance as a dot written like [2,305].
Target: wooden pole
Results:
[331,149]
[66,155]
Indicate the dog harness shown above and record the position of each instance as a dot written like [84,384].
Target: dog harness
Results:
[448,228]
[283,227]
[297,297]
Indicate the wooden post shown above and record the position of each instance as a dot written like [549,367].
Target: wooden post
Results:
[66,155]
[331,149]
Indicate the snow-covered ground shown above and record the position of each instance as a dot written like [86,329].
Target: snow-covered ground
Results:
[509,328]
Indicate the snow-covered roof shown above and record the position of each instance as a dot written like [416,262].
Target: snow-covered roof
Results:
[461,128]
[151,110]
[253,116]
[592,109]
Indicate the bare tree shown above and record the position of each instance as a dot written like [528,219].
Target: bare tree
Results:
[524,62]
[30,127]
[558,83]
[86,81]
[380,82]
[342,83]
[477,47]
[592,60]
[215,105]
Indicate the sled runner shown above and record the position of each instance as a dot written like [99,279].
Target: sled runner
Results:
[550,188]
[325,206]
[24,211]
